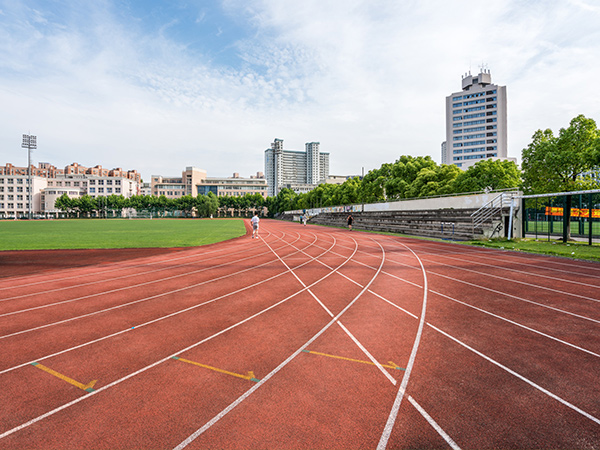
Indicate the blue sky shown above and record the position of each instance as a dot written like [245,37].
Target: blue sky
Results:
[160,85]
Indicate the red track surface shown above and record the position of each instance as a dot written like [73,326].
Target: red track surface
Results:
[354,340]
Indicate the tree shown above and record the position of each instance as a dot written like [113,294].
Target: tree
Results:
[559,163]
[64,203]
[430,181]
[488,175]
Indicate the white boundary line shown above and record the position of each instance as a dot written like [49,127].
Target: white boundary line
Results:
[106,280]
[350,335]
[120,380]
[241,398]
[139,300]
[192,252]
[434,424]
[387,431]
[146,323]
[519,376]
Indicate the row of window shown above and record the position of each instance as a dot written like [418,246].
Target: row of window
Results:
[12,197]
[12,181]
[473,122]
[469,136]
[460,158]
[11,206]
[468,144]
[477,94]
[12,189]
[109,190]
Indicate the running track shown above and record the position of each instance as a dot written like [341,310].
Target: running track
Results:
[307,338]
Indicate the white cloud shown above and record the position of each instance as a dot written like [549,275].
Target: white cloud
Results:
[368,79]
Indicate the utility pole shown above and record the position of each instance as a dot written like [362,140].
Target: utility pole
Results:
[29,142]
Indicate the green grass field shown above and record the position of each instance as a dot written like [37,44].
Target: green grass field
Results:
[577,250]
[116,233]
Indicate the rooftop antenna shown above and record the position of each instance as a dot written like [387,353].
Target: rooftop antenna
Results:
[483,68]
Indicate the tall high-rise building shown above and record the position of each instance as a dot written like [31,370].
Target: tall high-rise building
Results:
[297,170]
[475,122]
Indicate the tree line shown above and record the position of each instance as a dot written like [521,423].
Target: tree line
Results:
[550,164]
[562,163]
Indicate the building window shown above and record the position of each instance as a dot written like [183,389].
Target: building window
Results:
[92,182]
[92,190]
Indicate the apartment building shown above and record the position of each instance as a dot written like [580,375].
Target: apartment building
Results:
[15,194]
[50,183]
[476,125]
[301,171]
[193,181]
[176,187]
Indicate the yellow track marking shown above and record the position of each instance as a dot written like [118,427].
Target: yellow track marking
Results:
[249,377]
[390,365]
[86,387]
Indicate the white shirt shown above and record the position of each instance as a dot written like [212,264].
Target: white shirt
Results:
[255,220]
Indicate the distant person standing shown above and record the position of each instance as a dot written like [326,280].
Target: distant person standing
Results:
[254,222]
[350,220]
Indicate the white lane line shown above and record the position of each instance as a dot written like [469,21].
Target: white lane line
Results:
[515,297]
[523,256]
[519,376]
[145,299]
[132,286]
[477,286]
[511,280]
[576,347]
[434,424]
[240,399]
[106,280]
[387,431]
[507,269]
[144,369]
[350,335]
[147,323]
[123,266]
[141,300]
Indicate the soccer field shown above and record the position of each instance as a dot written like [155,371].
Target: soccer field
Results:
[116,233]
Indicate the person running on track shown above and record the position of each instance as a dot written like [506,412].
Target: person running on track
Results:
[350,220]
[255,221]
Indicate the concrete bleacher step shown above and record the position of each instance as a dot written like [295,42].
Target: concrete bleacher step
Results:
[446,223]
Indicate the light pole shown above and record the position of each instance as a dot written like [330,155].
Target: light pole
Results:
[29,142]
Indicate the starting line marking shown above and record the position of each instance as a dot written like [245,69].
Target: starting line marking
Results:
[86,387]
[249,377]
[392,365]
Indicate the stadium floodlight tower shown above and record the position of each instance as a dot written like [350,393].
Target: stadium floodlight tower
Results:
[29,142]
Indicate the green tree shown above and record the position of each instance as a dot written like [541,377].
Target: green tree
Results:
[558,163]
[433,180]
[488,175]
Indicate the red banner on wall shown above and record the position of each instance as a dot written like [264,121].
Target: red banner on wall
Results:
[575,212]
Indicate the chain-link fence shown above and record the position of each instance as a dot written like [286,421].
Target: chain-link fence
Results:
[544,216]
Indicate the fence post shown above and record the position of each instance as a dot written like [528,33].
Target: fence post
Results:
[590,219]
[510,218]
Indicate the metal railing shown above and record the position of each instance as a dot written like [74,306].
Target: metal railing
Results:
[491,209]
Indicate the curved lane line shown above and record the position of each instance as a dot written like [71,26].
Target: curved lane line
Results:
[98,294]
[144,369]
[350,335]
[249,392]
[147,323]
[118,266]
[387,431]
[519,376]
[136,301]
